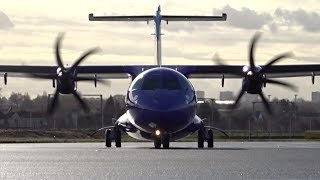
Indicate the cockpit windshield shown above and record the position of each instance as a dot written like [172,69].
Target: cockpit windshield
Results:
[160,80]
[171,83]
[151,83]
[156,82]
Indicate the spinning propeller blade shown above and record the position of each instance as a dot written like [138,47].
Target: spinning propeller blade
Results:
[81,58]
[57,51]
[53,103]
[257,74]
[80,100]
[67,76]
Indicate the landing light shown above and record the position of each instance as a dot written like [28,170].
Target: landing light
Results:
[158,132]
[245,69]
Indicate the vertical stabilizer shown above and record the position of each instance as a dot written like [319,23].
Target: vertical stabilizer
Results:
[158,55]
[157,21]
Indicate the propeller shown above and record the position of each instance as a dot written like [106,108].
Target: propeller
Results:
[67,77]
[254,77]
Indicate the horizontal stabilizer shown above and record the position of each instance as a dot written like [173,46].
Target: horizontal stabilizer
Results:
[119,18]
[194,18]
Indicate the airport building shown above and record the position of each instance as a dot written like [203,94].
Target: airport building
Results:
[200,94]
[226,95]
[315,96]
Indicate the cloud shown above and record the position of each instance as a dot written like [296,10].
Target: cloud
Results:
[309,21]
[5,22]
[245,18]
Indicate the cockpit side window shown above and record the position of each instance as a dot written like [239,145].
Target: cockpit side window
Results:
[185,84]
[137,83]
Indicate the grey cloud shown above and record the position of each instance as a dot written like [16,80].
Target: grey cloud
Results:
[312,59]
[245,18]
[49,21]
[309,21]
[128,50]
[5,22]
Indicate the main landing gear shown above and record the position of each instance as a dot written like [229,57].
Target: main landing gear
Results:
[161,138]
[204,135]
[113,134]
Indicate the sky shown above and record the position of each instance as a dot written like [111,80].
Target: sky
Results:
[28,30]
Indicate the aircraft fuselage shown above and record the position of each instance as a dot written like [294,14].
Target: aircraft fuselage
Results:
[161,99]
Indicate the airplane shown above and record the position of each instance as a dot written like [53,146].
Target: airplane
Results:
[161,101]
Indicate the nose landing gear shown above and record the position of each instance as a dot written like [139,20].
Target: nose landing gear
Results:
[161,138]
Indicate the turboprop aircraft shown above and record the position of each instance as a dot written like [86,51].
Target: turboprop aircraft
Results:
[161,101]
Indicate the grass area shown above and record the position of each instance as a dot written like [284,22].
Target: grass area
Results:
[71,136]
[312,135]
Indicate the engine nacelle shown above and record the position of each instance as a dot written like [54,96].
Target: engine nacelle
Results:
[222,80]
[95,80]
[312,77]
[5,78]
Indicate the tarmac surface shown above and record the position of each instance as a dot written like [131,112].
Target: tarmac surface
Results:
[228,160]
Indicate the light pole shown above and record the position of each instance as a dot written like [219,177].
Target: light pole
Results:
[295,114]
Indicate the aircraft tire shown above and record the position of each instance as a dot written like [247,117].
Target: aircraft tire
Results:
[118,138]
[210,138]
[157,143]
[107,138]
[166,142]
[200,139]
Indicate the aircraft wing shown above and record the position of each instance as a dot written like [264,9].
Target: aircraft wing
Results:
[194,18]
[120,18]
[190,71]
[235,71]
[105,72]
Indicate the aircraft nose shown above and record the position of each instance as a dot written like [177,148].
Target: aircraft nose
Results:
[170,120]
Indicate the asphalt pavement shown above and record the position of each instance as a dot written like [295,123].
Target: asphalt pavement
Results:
[228,160]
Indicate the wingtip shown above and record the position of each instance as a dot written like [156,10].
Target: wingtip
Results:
[90,16]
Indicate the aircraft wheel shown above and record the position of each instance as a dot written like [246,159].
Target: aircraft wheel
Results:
[107,138]
[118,138]
[210,138]
[200,139]
[166,141]
[157,143]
